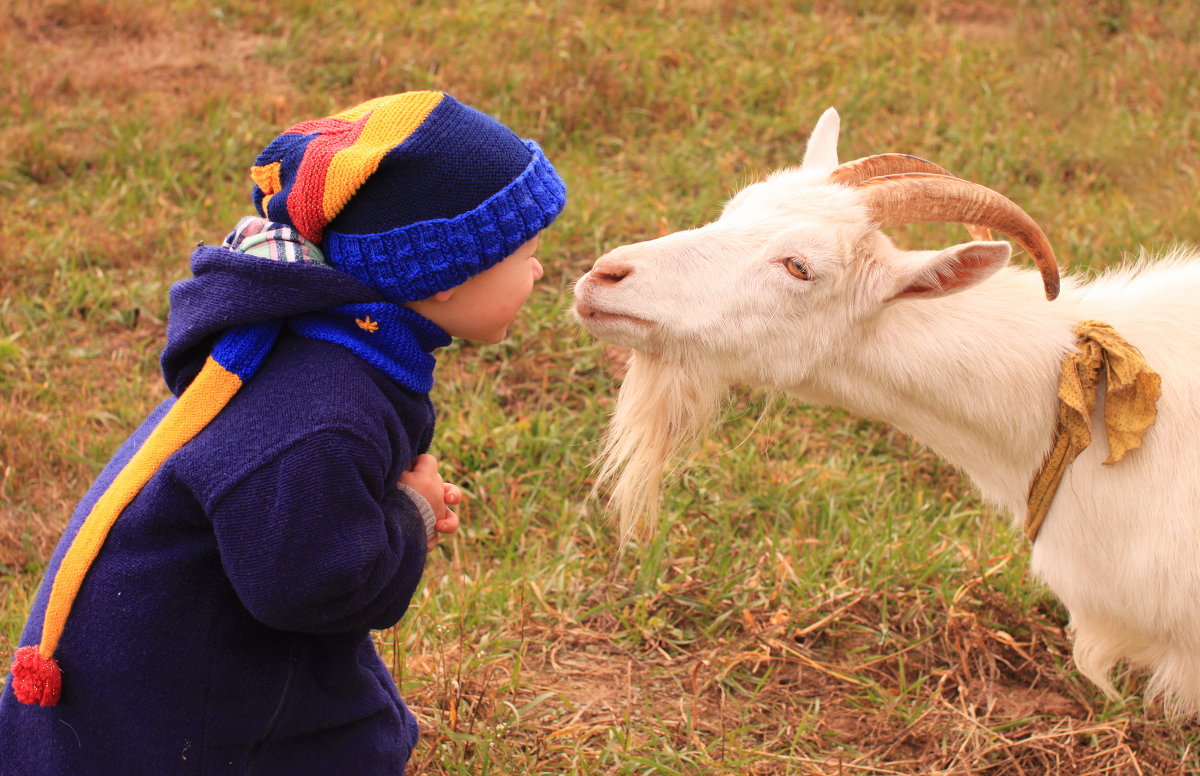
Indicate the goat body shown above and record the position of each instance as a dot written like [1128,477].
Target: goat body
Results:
[975,375]
[795,289]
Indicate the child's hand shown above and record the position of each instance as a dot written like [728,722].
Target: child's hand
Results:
[423,477]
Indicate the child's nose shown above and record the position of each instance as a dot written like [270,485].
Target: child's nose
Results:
[537,270]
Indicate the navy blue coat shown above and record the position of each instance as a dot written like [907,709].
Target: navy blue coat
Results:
[224,626]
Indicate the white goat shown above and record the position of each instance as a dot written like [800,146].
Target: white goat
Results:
[795,289]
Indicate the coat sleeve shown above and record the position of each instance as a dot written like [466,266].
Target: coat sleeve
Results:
[316,540]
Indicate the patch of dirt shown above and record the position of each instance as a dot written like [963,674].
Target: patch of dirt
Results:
[85,48]
[980,19]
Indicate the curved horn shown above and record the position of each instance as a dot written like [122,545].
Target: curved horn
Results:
[906,198]
[856,172]
[859,171]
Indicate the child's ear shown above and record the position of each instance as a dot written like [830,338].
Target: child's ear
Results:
[443,296]
[930,274]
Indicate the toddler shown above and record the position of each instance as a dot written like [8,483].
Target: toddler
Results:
[208,608]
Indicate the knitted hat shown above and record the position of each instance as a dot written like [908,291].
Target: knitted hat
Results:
[411,193]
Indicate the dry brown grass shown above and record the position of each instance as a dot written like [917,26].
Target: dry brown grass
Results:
[993,705]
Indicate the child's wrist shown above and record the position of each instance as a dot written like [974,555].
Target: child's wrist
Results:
[424,507]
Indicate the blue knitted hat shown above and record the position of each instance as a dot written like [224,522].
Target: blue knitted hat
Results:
[411,193]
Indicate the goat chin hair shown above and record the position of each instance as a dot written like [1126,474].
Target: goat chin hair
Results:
[664,406]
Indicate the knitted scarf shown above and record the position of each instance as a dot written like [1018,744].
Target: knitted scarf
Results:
[392,338]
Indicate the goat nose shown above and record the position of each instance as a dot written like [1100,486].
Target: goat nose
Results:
[609,272]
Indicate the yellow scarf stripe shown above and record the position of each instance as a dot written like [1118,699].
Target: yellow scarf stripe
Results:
[386,128]
[199,404]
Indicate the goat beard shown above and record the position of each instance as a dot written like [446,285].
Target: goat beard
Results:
[663,408]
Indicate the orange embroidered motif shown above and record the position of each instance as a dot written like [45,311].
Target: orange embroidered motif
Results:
[366,324]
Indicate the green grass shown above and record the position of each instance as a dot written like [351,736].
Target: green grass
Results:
[825,596]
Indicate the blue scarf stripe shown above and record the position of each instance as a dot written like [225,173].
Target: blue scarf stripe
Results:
[242,350]
[392,338]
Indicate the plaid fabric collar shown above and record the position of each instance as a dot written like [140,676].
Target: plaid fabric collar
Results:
[279,242]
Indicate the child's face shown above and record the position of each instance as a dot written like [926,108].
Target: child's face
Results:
[482,308]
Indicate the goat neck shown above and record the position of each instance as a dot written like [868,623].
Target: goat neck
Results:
[973,375]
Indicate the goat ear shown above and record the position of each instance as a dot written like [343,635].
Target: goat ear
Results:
[931,274]
[821,153]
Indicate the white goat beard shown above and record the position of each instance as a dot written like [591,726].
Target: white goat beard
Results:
[662,409]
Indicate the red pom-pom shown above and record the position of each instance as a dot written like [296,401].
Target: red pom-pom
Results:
[37,680]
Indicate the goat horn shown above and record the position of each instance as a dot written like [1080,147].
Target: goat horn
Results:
[859,171]
[906,198]
[856,172]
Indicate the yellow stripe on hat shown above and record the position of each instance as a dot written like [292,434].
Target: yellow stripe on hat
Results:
[392,119]
[208,393]
[266,177]
[362,109]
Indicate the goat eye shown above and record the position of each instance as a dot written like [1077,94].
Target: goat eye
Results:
[796,268]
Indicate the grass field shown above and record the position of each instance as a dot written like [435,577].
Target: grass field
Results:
[826,597]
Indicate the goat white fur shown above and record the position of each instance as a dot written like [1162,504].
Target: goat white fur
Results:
[951,346]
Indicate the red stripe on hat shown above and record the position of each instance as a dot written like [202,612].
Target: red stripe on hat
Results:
[312,126]
[305,202]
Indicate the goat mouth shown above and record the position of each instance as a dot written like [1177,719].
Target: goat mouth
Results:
[589,316]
